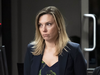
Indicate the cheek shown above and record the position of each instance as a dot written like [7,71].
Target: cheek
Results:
[40,31]
[54,31]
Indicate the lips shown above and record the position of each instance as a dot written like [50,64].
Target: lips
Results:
[45,35]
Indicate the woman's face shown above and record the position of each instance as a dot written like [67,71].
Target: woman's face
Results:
[48,27]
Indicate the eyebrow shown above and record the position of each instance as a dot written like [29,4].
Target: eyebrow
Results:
[46,22]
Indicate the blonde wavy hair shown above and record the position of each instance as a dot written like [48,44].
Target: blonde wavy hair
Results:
[62,40]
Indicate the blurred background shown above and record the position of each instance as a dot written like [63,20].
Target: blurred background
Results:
[17,28]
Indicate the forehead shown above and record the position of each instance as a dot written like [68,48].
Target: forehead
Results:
[46,18]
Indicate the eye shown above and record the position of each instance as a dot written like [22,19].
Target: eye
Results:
[39,25]
[49,24]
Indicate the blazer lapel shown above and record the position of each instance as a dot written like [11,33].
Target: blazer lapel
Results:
[62,62]
[36,64]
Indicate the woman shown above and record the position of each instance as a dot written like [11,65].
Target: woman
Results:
[52,53]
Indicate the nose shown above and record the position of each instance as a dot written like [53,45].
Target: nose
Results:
[44,28]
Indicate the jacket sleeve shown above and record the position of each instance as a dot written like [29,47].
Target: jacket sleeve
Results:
[27,60]
[80,64]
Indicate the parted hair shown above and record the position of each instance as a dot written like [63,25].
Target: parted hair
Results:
[62,40]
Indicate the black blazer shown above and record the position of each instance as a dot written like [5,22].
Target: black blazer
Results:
[70,63]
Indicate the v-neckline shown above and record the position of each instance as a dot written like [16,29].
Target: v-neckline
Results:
[51,65]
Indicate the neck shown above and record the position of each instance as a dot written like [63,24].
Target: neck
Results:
[50,45]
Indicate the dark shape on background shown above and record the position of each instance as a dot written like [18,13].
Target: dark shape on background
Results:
[75,39]
[96,71]
[3,62]
[20,67]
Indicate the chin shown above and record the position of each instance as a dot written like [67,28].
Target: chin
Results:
[47,39]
